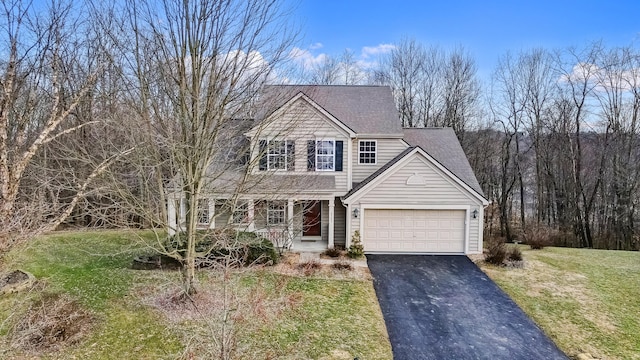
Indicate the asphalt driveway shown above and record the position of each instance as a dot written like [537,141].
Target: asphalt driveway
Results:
[445,307]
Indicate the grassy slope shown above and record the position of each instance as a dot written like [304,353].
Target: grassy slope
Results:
[585,300]
[324,319]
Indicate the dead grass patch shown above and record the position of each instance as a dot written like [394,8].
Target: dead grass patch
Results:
[50,324]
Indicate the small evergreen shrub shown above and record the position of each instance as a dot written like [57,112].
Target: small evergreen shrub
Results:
[356,250]
[261,251]
[243,248]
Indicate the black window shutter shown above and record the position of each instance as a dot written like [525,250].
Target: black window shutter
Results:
[291,155]
[311,155]
[338,155]
[263,155]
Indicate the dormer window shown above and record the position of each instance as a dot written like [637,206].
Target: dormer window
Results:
[367,152]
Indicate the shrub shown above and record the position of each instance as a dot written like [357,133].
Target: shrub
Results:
[342,265]
[243,248]
[356,250]
[261,252]
[496,251]
[334,253]
[537,236]
[310,267]
[514,254]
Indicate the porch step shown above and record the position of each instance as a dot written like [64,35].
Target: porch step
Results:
[309,256]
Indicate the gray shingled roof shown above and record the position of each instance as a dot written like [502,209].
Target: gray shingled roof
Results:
[363,109]
[443,145]
[270,184]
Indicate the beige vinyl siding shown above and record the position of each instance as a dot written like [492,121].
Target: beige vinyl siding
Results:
[474,230]
[439,188]
[221,217]
[387,149]
[301,123]
[339,223]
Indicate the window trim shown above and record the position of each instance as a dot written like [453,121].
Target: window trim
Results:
[375,152]
[333,157]
[280,210]
[270,155]
[202,210]
[240,208]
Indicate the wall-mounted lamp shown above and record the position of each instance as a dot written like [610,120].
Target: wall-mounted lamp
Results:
[474,214]
[356,213]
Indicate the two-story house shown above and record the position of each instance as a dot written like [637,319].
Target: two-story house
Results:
[332,160]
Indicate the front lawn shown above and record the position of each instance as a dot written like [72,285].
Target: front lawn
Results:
[256,313]
[587,301]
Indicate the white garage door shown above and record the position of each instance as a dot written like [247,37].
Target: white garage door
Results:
[426,231]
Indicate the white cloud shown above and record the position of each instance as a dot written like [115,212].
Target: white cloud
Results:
[603,78]
[316,46]
[378,50]
[305,58]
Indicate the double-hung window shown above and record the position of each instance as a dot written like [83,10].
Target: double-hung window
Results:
[367,150]
[203,211]
[241,214]
[325,155]
[275,213]
[277,155]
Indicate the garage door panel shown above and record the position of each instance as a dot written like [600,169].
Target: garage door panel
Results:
[412,230]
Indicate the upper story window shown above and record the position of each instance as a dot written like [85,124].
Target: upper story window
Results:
[367,151]
[324,155]
[277,155]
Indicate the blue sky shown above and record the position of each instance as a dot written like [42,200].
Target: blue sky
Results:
[486,28]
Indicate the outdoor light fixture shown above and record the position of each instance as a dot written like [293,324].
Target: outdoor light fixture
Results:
[474,214]
[356,213]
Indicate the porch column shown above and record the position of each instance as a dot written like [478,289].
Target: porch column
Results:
[289,222]
[331,221]
[251,215]
[212,213]
[183,213]
[171,216]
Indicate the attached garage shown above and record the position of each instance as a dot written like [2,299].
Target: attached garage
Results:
[414,231]
[415,205]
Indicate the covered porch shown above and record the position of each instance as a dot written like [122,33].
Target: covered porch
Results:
[298,224]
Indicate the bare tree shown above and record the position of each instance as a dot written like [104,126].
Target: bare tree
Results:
[326,72]
[44,83]
[195,70]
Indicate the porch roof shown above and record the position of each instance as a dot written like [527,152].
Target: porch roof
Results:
[271,184]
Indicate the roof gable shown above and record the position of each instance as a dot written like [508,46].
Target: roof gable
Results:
[362,109]
[442,144]
[396,163]
[291,102]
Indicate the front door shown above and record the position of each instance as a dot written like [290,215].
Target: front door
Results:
[311,218]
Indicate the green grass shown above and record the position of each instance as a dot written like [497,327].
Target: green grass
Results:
[334,317]
[274,315]
[587,301]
